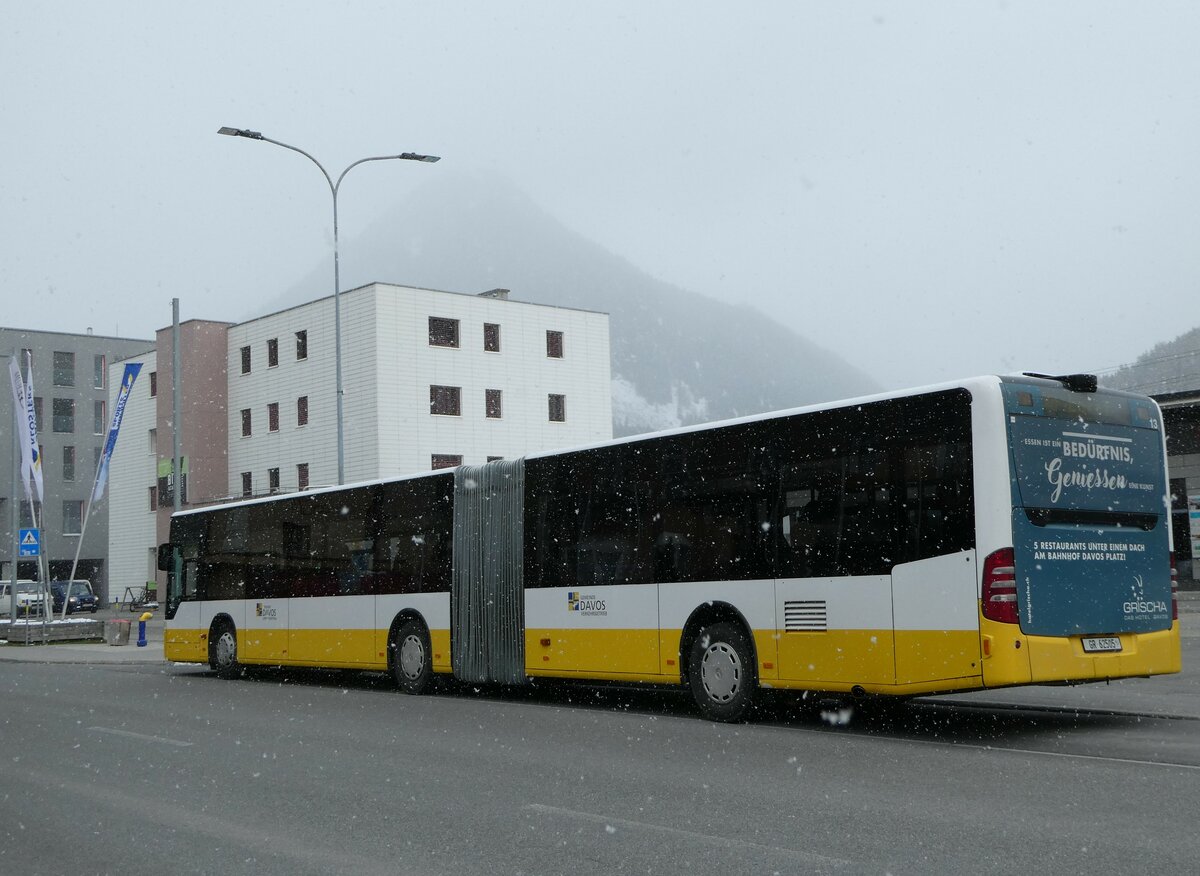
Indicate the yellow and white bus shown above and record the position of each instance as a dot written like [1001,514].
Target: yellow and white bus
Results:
[992,532]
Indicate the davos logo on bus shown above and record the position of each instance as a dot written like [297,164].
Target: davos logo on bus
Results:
[266,612]
[586,603]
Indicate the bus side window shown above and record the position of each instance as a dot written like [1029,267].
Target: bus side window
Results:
[191,573]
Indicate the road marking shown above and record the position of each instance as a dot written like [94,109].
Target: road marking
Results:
[163,739]
[1005,749]
[685,834]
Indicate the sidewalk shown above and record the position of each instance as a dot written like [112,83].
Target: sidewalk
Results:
[95,652]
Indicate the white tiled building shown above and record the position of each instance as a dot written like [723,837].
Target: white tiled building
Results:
[392,367]
[132,492]
[430,378]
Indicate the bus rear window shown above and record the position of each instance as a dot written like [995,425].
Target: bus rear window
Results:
[1097,408]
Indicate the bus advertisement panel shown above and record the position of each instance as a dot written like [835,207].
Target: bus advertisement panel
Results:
[1090,527]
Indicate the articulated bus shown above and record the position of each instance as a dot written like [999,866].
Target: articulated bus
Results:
[992,532]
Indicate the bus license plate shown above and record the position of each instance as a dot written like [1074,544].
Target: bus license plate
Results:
[1092,644]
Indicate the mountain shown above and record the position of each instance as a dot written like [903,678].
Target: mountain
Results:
[1172,366]
[677,357]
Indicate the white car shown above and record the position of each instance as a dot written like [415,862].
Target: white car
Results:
[31,601]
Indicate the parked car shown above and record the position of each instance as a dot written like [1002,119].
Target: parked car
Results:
[78,594]
[30,599]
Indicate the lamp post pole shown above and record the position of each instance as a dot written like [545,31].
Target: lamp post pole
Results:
[337,288]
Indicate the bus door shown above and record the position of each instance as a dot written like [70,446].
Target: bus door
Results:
[1090,522]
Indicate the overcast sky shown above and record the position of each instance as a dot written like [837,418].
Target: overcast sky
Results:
[929,189]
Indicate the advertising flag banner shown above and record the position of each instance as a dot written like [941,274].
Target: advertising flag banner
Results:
[131,373]
[21,408]
[35,452]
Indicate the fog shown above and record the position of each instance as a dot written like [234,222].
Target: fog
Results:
[929,190]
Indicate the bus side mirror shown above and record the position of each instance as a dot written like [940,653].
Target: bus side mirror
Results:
[166,558]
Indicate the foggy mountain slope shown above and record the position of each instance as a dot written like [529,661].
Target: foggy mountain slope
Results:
[677,357]
[1172,366]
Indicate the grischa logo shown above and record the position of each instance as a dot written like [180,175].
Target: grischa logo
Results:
[586,603]
[1138,604]
[266,612]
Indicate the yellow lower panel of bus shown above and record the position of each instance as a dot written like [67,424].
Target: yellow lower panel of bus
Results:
[1063,659]
[935,655]
[262,644]
[186,646]
[1011,658]
[622,653]
[848,656]
[439,640]
[337,648]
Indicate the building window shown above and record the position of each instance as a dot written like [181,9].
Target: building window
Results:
[37,412]
[492,397]
[491,337]
[100,371]
[98,416]
[273,480]
[68,465]
[26,514]
[445,460]
[72,516]
[302,411]
[301,345]
[494,458]
[273,417]
[558,408]
[273,352]
[445,401]
[64,369]
[247,485]
[443,332]
[246,423]
[245,360]
[302,476]
[64,415]
[96,451]
[554,345]
[153,384]
[154,441]
[154,498]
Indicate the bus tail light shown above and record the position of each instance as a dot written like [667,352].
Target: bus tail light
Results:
[1000,587]
[1174,591]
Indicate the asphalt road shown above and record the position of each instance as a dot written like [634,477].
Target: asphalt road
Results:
[166,769]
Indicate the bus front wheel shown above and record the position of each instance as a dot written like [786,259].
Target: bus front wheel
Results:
[222,651]
[410,657]
[721,672]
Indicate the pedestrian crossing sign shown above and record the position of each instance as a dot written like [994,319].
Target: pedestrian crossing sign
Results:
[30,543]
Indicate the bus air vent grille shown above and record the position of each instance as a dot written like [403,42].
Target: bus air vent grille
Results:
[803,615]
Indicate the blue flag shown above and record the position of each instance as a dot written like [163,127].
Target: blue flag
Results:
[131,373]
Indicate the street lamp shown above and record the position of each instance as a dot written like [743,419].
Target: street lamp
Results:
[337,288]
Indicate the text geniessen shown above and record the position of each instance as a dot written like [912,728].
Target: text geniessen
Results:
[1099,478]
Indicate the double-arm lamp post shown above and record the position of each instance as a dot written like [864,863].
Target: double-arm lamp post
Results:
[337,288]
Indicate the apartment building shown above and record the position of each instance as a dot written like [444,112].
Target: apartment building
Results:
[72,392]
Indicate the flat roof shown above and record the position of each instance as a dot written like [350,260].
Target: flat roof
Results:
[398,286]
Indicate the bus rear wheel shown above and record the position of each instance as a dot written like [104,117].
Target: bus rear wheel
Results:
[222,651]
[410,657]
[721,672]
